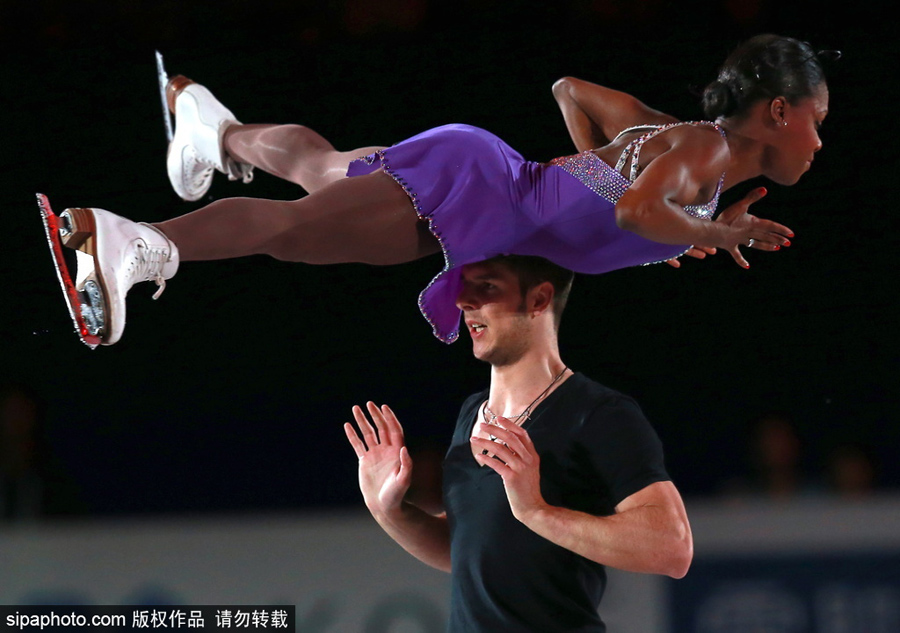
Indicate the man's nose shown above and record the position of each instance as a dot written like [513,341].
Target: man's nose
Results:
[466,300]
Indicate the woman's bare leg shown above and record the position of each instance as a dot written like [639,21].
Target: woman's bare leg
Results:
[293,152]
[367,219]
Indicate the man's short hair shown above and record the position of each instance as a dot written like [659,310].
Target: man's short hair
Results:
[533,271]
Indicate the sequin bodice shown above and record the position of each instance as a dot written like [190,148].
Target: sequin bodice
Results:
[609,182]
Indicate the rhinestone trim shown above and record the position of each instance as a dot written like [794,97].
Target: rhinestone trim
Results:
[432,227]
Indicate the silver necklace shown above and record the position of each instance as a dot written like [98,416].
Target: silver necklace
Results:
[491,418]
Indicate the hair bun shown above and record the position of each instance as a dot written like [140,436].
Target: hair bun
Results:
[718,100]
[763,67]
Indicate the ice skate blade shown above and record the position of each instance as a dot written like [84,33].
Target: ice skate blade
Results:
[163,80]
[86,305]
[91,307]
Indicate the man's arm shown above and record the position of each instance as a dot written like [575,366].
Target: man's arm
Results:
[385,473]
[649,532]
[595,115]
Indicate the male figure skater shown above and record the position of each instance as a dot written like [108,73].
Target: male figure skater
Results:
[549,477]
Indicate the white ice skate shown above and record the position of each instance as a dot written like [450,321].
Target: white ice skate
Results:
[196,149]
[112,254]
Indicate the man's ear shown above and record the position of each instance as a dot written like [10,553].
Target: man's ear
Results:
[540,298]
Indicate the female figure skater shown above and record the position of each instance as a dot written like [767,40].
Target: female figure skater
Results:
[642,190]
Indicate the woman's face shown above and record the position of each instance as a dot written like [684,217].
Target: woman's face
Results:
[797,137]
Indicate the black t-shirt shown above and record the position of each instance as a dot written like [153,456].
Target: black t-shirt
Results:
[596,449]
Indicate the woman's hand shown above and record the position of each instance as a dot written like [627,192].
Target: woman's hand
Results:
[699,252]
[751,231]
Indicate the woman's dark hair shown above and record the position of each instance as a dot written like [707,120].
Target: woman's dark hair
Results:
[765,67]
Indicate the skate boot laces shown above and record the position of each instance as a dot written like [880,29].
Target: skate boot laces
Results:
[146,264]
[197,170]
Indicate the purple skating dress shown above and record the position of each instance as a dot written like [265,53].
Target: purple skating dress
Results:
[482,199]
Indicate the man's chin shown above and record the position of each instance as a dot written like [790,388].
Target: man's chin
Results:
[496,358]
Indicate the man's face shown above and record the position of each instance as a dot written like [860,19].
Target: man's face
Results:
[495,313]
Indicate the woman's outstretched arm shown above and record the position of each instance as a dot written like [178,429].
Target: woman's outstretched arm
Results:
[686,173]
[595,115]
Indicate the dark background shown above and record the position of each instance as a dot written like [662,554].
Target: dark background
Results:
[228,393]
